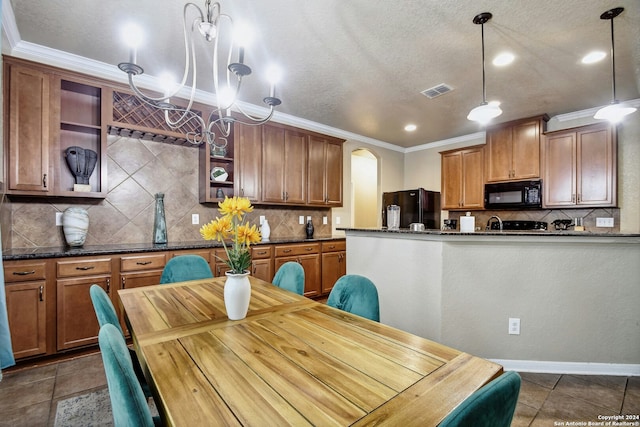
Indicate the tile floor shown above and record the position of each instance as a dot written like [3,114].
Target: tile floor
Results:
[28,397]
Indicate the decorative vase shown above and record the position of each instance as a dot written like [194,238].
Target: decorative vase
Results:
[75,224]
[159,222]
[265,231]
[237,294]
[309,229]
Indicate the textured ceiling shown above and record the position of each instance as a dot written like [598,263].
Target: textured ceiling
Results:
[360,65]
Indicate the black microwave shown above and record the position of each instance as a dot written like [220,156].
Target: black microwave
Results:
[513,195]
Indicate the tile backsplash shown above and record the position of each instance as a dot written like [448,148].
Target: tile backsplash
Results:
[137,169]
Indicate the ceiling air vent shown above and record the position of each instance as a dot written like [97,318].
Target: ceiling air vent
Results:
[436,91]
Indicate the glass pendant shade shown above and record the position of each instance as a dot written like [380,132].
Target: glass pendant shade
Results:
[484,113]
[614,112]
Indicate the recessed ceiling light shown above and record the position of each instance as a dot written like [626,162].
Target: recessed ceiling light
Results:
[595,56]
[410,127]
[503,59]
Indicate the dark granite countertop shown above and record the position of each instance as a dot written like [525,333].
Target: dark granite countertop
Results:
[62,251]
[538,233]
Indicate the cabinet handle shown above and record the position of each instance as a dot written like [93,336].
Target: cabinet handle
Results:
[218,270]
[44,180]
[579,198]
[286,251]
[332,247]
[254,269]
[108,286]
[261,252]
[91,267]
[573,198]
[24,273]
[123,282]
[143,262]
[308,249]
[41,293]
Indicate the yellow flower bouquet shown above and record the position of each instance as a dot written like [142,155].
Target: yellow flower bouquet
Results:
[232,226]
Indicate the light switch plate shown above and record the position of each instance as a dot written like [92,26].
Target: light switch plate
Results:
[604,222]
[301,219]
[58,218]
[324,220]
[195,219]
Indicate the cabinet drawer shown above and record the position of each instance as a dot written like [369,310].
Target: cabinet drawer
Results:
[142,262]
[334,246]
[261,252]
[299,249]
[88,267]
[24,272]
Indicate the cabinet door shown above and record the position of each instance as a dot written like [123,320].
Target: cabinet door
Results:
[273,164]
[311,265]
[559,158]
[526,150]
[248,152]
[473,178]
[262,269]
[596,159]
[324,176]
[26,308]
[28,131]
[333,172]
[499,154]
[77,324]
[451,180]
[295,166]
[334,266]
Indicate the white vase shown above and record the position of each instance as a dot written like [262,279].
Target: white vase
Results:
[237,294]
[265,231]
[75,224]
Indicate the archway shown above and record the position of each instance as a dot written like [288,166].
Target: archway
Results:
[365,189]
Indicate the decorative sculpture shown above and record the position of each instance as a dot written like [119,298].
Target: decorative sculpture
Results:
[81,162]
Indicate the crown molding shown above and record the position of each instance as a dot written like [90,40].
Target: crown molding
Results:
[588,113]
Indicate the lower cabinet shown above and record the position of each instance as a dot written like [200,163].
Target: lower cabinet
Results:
[262,262]
[334,263]
[26,295]
[307,255]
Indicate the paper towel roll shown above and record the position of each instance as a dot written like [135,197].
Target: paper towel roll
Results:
[467,224]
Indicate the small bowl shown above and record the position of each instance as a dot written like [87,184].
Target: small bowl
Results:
[416,226]
[219,174]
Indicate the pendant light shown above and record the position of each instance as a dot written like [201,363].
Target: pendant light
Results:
[615,111]
[485,111]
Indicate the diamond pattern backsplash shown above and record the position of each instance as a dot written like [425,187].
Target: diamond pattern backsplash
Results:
[137,169]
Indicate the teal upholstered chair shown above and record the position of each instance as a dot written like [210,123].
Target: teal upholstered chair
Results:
[491,406]
[106,314]
[129,405]
[290,276]
[355,294]
[186,267]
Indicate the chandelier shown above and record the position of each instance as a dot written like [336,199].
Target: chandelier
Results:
[485,111]
[217,125]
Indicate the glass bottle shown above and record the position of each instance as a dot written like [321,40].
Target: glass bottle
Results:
[159,222]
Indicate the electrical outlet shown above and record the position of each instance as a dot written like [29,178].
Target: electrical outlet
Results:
[514,326]
[604,222]
[58,218]
[337,220]
[301,219]
[324,220]
[262,219]
[195,219]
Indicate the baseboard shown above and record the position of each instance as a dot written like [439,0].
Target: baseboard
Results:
[578,368]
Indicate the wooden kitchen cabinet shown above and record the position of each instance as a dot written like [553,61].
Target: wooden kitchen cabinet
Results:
[580,167]
[262,262]
[26,295]
[248,160]
[284,165]
[77,324]
[513,149]
[334,263]
[48,111]
[324,178]
[307,255]
[463,178]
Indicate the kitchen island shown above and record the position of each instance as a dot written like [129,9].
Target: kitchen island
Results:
[576,294]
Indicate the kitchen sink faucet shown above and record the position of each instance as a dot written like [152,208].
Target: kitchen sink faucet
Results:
[489,222]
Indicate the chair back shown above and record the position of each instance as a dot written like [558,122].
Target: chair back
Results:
[491,406]
[105,311]
[355,294]
[290,276]
[127,399]
[185,267]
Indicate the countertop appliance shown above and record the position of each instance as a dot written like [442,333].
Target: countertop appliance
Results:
[513,195]
[518,225]
[416,206]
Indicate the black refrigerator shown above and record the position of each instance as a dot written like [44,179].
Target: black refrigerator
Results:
[416,206]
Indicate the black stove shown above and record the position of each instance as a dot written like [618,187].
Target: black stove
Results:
[519,225]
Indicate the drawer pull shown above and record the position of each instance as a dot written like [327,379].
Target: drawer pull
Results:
[123,282]
[143,262]
[262,252]
[286,251]
[108,286]
[24,273]
[91,267]
[332,247]
[41,293]
[308,249]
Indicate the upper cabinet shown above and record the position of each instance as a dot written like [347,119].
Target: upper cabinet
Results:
[284,165]
[324,178]
[463,178]
[248,161]
[56,132]
[580,167]
[217,170]
[513,149]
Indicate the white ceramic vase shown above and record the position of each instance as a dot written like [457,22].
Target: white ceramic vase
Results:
[237,294]
[75,224]
[265,231]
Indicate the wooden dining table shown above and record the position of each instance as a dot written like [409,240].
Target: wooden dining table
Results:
[291,361]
